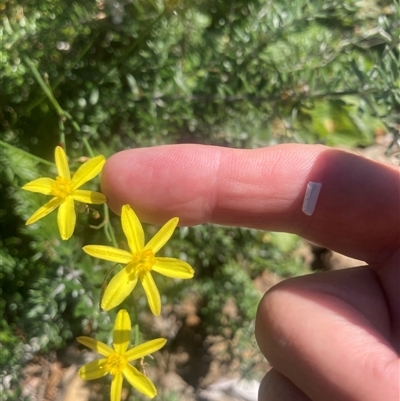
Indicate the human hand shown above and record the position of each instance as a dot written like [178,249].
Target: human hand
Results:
[331,336]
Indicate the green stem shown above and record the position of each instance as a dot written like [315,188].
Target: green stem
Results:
[61,77]
[108,229]
[136,334]
[30,155]
[46,88]
[62,132]
[87,146]
[49,93]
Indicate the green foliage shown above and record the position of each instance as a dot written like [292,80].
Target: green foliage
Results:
[190,74]
[226,260]
[44,296]
[133,74]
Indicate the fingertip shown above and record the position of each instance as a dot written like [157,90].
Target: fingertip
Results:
[162,182]
[111,180]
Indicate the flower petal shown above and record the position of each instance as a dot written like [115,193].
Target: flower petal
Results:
[174,268]
[108,253]
[44,210]
[133,229]
[92,197]
[163,235]
[87,171]
[122,331]
[95,345]
[144,349]
[120,286]
[66,218]
[140,381]
[40,185]
[62,163]
[153,296]
[93,370]
[116,387]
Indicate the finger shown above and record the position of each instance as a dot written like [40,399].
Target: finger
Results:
[263,188]
[329,335]
[389,278]
[276,387]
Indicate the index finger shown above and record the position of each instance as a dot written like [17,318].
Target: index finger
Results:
[357,212]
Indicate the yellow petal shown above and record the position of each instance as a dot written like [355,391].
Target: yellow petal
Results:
[93,370]
[87,171]
[153,296]
[44,210]
[40,185]
[174,268]
[144,349]
[116,387]
[163,235]
[62,163]
[139,381]
[122,331]
[92,197]
[66,218]
[120,286]
[95,345]
[133,230]
[108,253]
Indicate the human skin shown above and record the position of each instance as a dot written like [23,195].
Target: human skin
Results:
[332,336]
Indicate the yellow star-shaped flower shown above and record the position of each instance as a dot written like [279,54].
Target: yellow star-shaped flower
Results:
[65,191]
[116,361]
[140,261]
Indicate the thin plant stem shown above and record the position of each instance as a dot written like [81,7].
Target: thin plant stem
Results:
[87,146]
[27,154]
[49,93]
[108,229]
[62,132]
[46,88]
[136,334]
[61,77]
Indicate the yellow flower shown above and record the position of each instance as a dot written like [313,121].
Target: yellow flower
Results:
[65,191]
[116,361]
[140,261]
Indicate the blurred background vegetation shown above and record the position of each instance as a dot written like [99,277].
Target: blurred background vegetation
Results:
[134,73]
